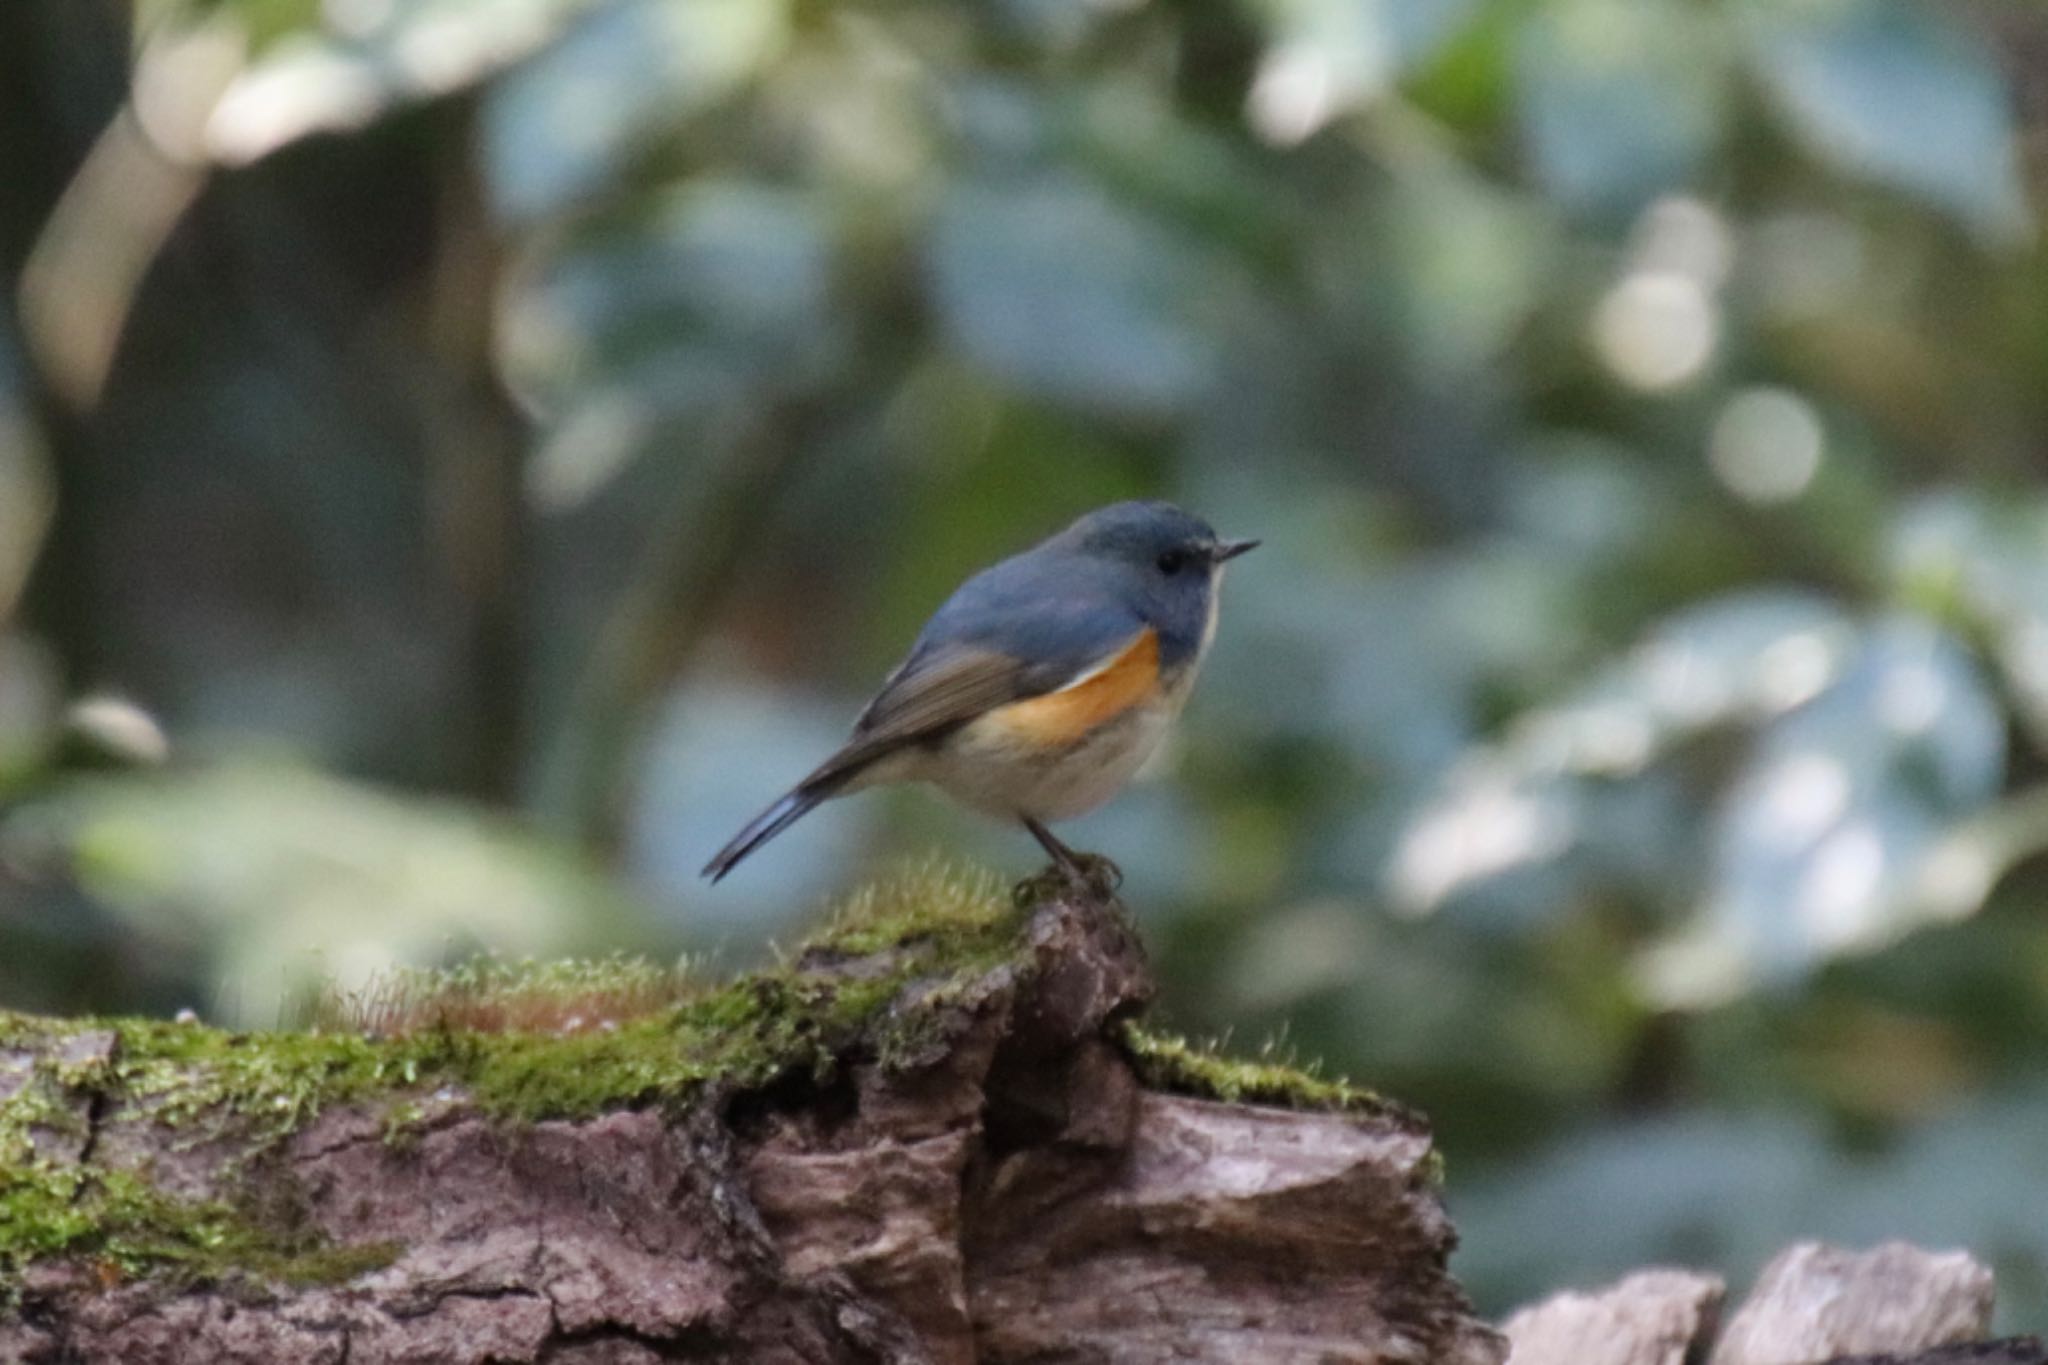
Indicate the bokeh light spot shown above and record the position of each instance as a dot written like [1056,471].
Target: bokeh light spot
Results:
[1766,445]
[1656,329]
[1833,897]
[1294,95]
[1685,236]
[1794,670]
[1910,698]
[1802,796]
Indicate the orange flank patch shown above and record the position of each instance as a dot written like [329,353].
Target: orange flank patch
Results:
[1067,715]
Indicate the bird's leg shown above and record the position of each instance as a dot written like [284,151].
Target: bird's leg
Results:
[1062,856]
[1090,872]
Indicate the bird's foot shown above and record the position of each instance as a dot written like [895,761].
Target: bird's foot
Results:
[1086,876]
[1096,875]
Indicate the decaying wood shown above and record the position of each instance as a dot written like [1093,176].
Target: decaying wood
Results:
[1812,1305]
[1018,1197]
[1654,1317]
[1006,1190]
[2011,1351]
[1814,1302]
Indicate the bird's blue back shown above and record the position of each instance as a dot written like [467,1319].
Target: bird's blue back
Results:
[1065,606]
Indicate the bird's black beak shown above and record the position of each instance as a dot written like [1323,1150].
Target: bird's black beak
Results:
[1230,549]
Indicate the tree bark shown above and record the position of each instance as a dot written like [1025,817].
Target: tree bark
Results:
[1018,1194]
[1814,1302]
[1654,1317]
[1812,1305]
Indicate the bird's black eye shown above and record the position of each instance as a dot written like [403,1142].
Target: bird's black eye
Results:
[1172,562]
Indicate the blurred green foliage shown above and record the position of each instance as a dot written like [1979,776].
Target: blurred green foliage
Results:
[497,442]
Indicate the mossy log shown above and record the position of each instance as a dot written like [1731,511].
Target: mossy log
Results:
[934,1135]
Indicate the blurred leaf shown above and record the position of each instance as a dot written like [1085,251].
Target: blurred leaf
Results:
[1961,553]
[1469,262]
[1586,497]
[31,693]
[686,308]
[289,876]
[1327,56]
[1069,295]
[30,674]
[1897,91]
[662,349]
[569,122]
[27,492]
[265,20]
[1731,1190]
[1524,804]
[370,56]
[1423,28]
[1620,100]
[1818,841]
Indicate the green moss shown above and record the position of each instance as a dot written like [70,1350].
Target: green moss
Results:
[1167,1062]
[126,1228]
[883,978]
[930,927]
[256,1085]
[52,1206]
[968,908]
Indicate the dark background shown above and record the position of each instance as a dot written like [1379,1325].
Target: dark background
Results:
[459,458]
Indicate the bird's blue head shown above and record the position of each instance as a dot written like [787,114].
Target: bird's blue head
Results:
[1165,561]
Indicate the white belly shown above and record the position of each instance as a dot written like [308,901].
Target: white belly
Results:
[984,768]
[989,768]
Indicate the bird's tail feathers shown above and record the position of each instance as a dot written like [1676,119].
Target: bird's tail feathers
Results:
[827,782]
[792,807]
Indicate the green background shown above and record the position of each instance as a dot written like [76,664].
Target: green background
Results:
[459,458]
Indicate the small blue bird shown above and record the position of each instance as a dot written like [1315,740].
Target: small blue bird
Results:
[1042,684]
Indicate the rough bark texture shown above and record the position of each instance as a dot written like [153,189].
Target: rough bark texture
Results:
[1016,1195]
[2011,1351]
[1813,1305]
[1654,1317]
[1813,1302]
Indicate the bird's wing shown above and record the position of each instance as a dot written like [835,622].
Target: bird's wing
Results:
[949,680]
[936,690]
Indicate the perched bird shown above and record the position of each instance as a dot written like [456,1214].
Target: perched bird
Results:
[1042,684]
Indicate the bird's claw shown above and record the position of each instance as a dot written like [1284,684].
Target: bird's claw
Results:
[1096,875]
[1090,877]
